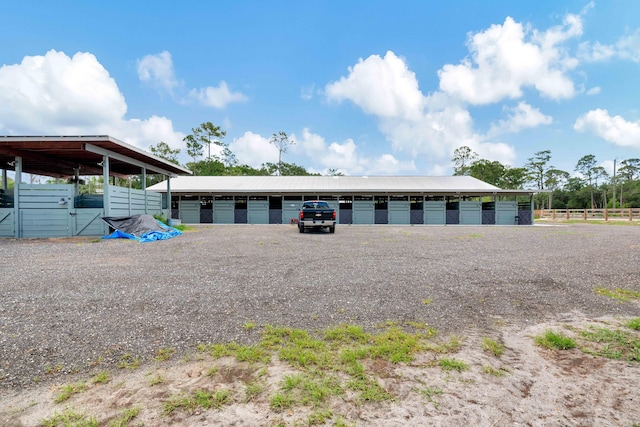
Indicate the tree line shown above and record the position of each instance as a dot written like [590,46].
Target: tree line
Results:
[595,188]
[224,162]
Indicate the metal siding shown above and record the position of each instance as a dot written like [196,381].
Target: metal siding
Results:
[435,213]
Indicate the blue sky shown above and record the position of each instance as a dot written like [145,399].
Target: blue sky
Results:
[365,87]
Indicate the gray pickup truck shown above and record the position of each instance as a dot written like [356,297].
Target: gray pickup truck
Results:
[317,214]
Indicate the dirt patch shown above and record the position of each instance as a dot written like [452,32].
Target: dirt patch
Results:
[535,386]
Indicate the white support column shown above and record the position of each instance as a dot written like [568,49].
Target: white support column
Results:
[144,188]
[105,191]
[168,197]
[16,197]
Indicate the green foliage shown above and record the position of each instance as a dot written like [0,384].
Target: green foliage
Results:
[124,419]
[634,324]
[164,353]
[618,293]
[101,377]
[70,418]
[500,372]
[555,341]
[68,390]
[611,343]
[492,346]
[430,393]
[452,364]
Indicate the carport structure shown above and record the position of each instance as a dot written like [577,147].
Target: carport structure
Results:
[60,209]
[429,200]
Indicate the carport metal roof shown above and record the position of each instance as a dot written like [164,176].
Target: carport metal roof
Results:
[333,185]
[61,156]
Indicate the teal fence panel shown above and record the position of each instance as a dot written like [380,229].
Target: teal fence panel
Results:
[190,211]
[258,212]
[88,222]
[7,225]
[363,212]
[290,209]
[506,213]
[45,210]
[435,213]
[399,212]
[470,213]
[224,211]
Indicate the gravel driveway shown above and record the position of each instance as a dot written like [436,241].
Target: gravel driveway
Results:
[67,304]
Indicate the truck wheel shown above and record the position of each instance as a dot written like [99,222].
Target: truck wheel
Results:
[332,229]
[301,228]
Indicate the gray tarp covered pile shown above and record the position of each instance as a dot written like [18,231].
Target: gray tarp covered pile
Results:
[144,228]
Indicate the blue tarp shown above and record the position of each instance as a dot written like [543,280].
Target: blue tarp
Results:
[144,228]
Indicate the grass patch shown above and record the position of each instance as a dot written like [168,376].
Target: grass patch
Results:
[124,419]
[452,365]
[249,326]
[427,301]
[70,418]
[618,293]
[492,346]
[101,377]
[156,379]
[634,324]
[429,393]
[500,372]
[68,390]
[129,361]
[555,341]
[252,390]
[616,344]
[199,398]
[164,354]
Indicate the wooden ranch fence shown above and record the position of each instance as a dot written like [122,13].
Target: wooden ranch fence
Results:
[586,214]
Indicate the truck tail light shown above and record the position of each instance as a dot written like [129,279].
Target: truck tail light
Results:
[334,214]
[301,215]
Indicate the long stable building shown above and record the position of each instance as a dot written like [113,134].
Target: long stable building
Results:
[431,200]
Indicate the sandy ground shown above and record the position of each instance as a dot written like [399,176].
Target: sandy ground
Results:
[540,388]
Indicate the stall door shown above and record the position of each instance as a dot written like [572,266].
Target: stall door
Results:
[190,211]
[290,210]
[399,212]
[506,213]
[258,212]
[435,212]
[224,211]
[363,212]
[470,213]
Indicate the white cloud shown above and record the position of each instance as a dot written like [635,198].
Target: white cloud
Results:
[626,48]
[429,128]
[521,117]
[254,149]
[509,57]
[158,70]
[384,87]
[593,91]
[613,129]
[346,157]
[306,93]
[217,97]
[56,94]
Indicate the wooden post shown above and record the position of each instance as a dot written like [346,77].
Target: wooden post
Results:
[584,215]
[630,214]
[567,214]
[606,214]
[553,214]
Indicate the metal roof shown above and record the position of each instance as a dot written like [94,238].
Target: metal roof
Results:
[60,156]
[330,185]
